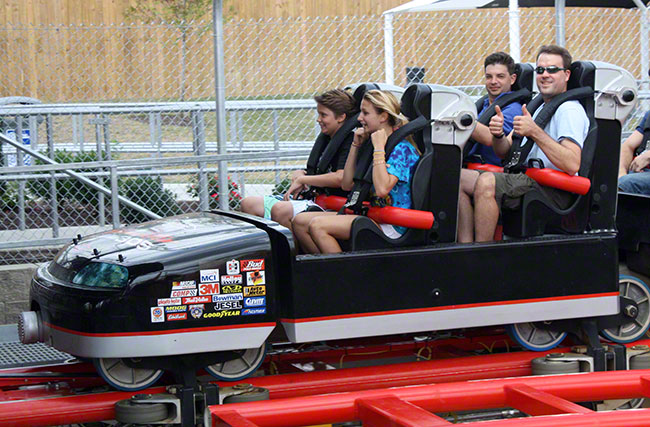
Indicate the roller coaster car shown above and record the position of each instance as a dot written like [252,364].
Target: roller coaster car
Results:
[206,289]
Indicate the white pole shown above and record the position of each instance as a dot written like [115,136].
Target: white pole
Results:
[559,23]
[645,45]
[220,92]
[389,64]
[513,25]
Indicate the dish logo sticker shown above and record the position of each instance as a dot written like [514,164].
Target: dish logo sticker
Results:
[188,284]
[231,289]
[157,314]
[255,278]
[255,302]
[208,288]
[196,300]
[234,279]
[252,264]
[232,267]
[254,291]
[168,301]
[210,275]
[175,308]
[197,310]
[177,316]
[249,311]
[227,297]
[183,293]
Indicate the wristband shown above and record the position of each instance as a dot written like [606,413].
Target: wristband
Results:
[378,151]
[356,145]
[503,135]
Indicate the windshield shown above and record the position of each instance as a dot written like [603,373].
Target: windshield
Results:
[102,275]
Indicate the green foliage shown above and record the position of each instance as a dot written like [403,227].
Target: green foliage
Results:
[68,189]
[234,196]
[281,187]
[8,195]
[147,192]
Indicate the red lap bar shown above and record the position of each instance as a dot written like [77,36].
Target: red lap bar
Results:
[410,218]
[471,395]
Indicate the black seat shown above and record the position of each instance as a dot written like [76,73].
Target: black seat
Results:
[537,214]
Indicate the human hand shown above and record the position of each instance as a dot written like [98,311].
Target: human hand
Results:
[360,136]
[294,189]
[297,174]
[379,139]
[524,125]
[496,123]
[640,162]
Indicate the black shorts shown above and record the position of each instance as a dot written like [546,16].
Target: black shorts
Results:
[510,188]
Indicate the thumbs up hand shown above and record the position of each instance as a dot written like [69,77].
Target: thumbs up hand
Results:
[524,125]
[496,123]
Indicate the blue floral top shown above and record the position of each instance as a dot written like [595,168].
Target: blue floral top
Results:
[401,164]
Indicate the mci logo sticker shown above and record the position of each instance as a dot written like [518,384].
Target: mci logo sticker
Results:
[210,276]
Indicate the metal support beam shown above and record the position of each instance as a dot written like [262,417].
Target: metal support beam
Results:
[220,92]
[559,23]
[389,65]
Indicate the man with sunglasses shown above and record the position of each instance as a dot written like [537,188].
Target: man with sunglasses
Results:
[558,145]
[500,75]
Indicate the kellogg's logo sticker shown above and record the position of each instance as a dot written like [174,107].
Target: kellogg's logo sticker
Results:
[177,316]
[187,284]
[252,264]
[231,289]
[254,291]
[197,310]
[168,301]
[232,267]
[255,278]
[183,293]
[157,314]
[210,275]
[227,297]
[208,288]
[196,300]
[234,279]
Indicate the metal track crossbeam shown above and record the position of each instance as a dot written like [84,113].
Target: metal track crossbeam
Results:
[549,400]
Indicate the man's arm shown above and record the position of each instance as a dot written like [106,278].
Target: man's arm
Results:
[482,132]
[628,147]
[500,142]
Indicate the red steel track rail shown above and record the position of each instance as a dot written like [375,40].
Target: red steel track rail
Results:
[549,400]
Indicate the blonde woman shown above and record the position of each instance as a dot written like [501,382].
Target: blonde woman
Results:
[379,117]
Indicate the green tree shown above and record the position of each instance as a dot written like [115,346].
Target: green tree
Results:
[181,13]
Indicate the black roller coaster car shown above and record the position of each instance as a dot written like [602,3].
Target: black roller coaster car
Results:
[206,289]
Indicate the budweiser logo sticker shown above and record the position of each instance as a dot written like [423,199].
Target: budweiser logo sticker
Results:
[252,264]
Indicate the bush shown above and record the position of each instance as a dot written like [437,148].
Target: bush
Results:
[281,187]
[149,193]
[234,197]
[8,195]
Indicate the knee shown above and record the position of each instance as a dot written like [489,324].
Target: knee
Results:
[485,186]
[282,212]
[317,227]
[252,205]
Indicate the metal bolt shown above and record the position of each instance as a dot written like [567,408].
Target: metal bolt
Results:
[555,356]
[171,389]
[631,311]
[141,396]
[640,347]
[243,386]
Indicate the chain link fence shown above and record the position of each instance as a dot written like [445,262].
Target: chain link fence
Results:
[136,102]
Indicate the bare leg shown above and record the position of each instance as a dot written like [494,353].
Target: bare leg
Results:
[282,212]
[253,205]
[300,228]
[465,209]
[486,210]
[326,229]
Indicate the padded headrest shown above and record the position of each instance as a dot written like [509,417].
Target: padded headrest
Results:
[416,101]
[361,90]
[583,74]
[525,75]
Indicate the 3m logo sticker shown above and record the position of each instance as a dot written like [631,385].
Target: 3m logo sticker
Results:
[227,305]
[197,300]
[210,275]
[175,308]
[255,278]
[184,293]
[197,310]
[254,291]
[249,311]
[252,264]
[187,284]
[169,301]
[232,267]
[231,289]
[234,279]
[177,316]
[221,314]
[157,314]
[255,302]
[208,288]
[227,297]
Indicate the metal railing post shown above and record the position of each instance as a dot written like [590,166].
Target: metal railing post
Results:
[54,202]
[115,202]
[198,129]
[101,208]
[276,145]
[21,183]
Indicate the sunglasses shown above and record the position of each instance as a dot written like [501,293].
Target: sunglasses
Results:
[551,70]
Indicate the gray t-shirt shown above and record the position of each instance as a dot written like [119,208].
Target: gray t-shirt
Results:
[569,121]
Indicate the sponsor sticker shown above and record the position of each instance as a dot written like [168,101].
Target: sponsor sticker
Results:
[208,288]
[177,316]
[255,302]
[227,297]
[252,264]
[232,267]
[169,301]
[233,279]
[187,284]
[227,305]
[197,310]
[210,275]
[157,314]
[175,308]
[231,289]
[183,293]
[249,311]
[254,278]
[221,314]
[196,300]
[254,291]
